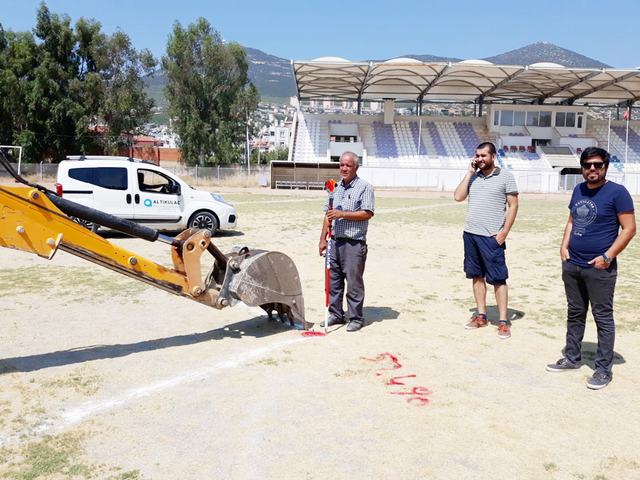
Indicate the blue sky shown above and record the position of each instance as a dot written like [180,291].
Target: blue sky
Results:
[303,30]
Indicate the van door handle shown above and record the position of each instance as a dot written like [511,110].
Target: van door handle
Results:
[128,198]
[137,198]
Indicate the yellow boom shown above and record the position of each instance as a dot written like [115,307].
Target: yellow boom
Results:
[32,220]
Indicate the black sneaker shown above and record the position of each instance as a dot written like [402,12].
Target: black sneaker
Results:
[599,380]
[334,321]
[562,365]
[354,325]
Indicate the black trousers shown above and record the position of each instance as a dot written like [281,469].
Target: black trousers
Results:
[584,287]
[347,261]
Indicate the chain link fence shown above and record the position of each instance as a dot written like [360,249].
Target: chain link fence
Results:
[235,175]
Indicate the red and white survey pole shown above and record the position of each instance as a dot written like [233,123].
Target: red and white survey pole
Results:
[329,186]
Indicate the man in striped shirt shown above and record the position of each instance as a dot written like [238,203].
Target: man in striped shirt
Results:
[490,190]
[353,206]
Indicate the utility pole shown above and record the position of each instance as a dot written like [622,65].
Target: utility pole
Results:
[247,149]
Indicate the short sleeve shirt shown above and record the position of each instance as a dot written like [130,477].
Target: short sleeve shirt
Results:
[357,195]
[488,201]
[595,220]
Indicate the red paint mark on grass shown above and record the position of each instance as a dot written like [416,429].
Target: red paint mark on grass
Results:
[417,394]
[310,333]
[394,380]
[394,360]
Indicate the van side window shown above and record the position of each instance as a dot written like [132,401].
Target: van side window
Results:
[113,178]
[154,182]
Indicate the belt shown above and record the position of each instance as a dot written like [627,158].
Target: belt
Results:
[347,239]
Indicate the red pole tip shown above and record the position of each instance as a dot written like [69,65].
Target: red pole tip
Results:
[330,185]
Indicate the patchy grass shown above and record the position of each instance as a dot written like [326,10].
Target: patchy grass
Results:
[86,385]
[59,456]
[272,362]
[88,283]
[51,456]
[350,373]
[5,410]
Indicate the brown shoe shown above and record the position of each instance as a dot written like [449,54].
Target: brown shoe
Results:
[504,330]
[477,321]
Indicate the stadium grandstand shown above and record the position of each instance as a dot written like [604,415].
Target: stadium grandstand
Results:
[537,115]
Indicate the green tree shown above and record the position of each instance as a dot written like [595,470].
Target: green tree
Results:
[267,157]
[58,81]
[208,93]
[125,105]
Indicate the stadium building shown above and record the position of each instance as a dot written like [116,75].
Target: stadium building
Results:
[537,115]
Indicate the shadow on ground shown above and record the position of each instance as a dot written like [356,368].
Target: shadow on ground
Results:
[371,315]
[256,327]
[494,317]
[379,314]
[589,352]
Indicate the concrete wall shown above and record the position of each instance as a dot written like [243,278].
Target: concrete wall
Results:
[446,180]
[153,154]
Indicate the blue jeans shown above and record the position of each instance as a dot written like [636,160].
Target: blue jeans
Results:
[595,287]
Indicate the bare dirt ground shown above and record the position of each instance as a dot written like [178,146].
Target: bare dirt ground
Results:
[105,377]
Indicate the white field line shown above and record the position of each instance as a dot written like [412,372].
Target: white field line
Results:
[69,417]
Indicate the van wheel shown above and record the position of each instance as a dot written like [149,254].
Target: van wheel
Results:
[204,220]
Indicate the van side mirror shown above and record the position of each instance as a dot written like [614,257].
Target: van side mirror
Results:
[175,188]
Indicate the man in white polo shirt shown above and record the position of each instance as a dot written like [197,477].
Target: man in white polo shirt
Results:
[490,190]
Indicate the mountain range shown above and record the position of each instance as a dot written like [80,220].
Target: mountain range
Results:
[273,75]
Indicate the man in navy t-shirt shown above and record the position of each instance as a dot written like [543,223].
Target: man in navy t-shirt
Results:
[601,224]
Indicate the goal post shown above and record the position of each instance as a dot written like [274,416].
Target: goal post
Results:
[15,147]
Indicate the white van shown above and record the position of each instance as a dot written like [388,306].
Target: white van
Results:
[143,192]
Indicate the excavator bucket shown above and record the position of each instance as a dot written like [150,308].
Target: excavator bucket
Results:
[266,279]
[37,220]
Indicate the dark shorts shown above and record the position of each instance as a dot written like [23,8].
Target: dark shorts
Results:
[484,257]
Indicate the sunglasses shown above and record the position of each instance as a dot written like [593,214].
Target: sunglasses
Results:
[596,165]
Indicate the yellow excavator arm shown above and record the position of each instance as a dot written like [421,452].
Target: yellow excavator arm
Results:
[37,220]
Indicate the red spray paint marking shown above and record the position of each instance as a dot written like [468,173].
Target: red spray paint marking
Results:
[309,333]
[414,391]
[394,380]
[381,357]
[417,394]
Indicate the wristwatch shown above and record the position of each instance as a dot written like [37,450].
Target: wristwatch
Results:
[606,259]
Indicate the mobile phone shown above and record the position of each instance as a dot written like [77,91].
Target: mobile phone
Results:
[473,164]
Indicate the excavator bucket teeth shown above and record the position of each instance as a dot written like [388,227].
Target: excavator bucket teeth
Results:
[269,280]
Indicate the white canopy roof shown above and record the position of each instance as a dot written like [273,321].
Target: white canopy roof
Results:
[469,80]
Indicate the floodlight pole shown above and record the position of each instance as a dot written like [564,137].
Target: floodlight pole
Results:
[419,134]
[247,150]
[626,140]
[419,126]
[609,134]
